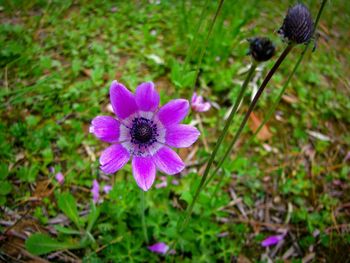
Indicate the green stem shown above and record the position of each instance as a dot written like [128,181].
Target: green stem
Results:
[217,146]
[144,227]
[195,37]
[204,48]
[251,108]
[274,106]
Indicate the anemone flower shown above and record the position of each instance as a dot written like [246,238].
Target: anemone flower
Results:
[197,103]
[143,132]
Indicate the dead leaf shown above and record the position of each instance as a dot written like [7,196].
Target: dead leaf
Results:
[243,259]
[291,99]
[254,123]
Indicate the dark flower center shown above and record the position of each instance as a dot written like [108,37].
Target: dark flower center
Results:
[143,131]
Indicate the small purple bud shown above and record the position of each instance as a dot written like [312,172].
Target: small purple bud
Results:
[298,25]
[107,188]
[95,191]
[261,48]
[60,178]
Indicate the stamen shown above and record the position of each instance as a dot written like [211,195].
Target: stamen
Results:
[143,133]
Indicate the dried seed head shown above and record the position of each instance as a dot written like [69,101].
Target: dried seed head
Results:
[261,48]
[297,25]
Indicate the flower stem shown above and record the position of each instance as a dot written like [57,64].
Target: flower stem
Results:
[217,146]
[201,55]
[144,227]
[250,109]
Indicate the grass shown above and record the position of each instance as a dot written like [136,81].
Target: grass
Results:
[57,61]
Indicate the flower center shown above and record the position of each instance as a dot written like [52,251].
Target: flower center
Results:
[143,131]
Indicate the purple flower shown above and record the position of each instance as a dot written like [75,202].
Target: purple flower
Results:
[198,105]
[95,191]
[143,132]
[163,184]
[160,248]
[60,178]
[107,188]
[272,240]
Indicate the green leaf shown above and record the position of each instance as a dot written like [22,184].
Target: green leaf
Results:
[66,230]
[68,205]
[93,215]
[5,187]
[39,244]
[3,171]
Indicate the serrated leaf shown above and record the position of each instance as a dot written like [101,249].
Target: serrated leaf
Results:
[39,244]
[66,202]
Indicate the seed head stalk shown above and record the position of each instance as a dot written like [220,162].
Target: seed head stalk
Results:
[217,146]
[252,105]
[273,108]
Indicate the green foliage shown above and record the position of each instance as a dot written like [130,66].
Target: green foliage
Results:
[57,60]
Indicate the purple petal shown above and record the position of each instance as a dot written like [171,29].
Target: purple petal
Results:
[123,101]
[107,188]
[194,98]
[201,107]
[60,178]
[114,158]
[173,112]
[168,161]
[95,191]
[147,98]
[160,248]
[105,128]
[272,240]
[181,135]
[144,171]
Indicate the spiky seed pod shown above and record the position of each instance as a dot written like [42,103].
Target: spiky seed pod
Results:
[261,48]
[297,25]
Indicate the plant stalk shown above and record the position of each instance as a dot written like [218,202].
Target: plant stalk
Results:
[218,143]
[251,108]
[274,106]
[144,227]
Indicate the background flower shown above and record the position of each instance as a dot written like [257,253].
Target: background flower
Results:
[198,104]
